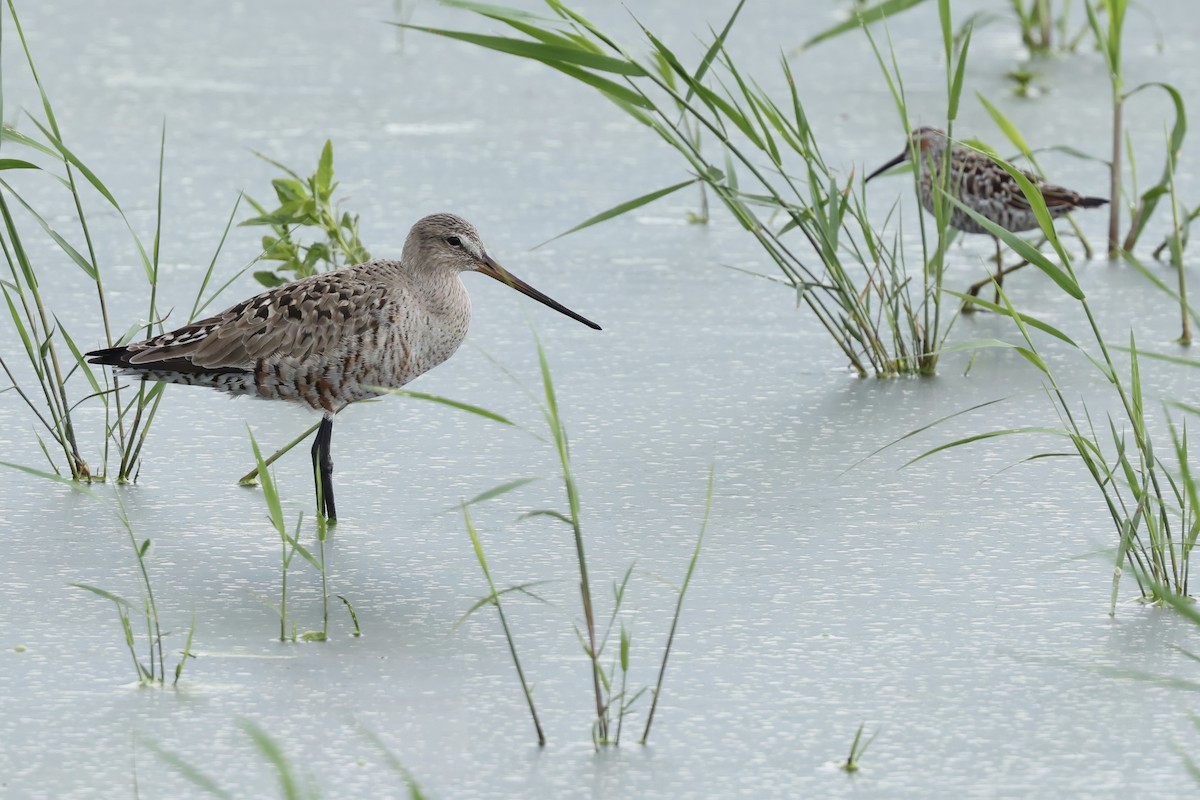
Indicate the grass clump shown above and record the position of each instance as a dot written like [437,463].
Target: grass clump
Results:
[768,172]
[50,351]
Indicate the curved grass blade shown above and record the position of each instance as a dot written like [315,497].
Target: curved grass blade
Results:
[861,19]
[623,208]
[978,437]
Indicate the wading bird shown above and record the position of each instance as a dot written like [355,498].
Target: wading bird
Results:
[985,187]
[331,339]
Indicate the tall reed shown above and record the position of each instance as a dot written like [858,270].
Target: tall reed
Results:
[769,174]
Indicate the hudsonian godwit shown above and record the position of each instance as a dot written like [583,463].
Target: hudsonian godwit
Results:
[331,339]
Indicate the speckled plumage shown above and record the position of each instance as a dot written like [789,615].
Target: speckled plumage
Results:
[331,339]
[983,185]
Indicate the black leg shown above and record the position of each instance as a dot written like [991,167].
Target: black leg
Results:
[323,469]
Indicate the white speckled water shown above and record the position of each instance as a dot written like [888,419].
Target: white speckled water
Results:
[957,606]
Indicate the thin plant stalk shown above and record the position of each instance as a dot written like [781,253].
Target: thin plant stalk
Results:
[687,579]
[494,599]
[1108,39]
[564,455]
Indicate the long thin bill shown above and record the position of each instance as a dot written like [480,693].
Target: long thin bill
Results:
[494,270]
[902,157]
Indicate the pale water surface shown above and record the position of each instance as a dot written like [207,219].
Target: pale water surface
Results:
[958,606]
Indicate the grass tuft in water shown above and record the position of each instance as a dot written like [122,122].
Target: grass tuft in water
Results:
[768,173]
[858,749]
[613,698]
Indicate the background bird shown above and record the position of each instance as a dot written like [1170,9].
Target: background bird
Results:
[331,339]
[981,184]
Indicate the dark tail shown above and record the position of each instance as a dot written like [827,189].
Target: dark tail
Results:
[1092,202]
[113,357]
[119,357]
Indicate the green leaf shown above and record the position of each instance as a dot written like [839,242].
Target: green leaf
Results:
[861,19]
[959,72]
[269,279]
[546,512]
[623,208]
[274,508]
[1006,126]
[324,175]
[1023,248]
[1150,198]
[537,51]
[979,437]
[494,492]
[622,95]
[16,163]
[1031,321]
[267,746]
[716,47]
[482,412]
[120,601]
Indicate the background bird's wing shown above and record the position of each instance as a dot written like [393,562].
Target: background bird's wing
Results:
[294,320]
[1058,199]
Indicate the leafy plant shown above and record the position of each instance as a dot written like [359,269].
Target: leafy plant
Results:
[306,203]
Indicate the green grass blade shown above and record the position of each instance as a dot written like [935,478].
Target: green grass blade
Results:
[269,748]
[862,18]
[623,208]
[959,72]
[270,494]
[494,492]
[116,598]
[1023,248]
[537,51]
[482,412]
[979,437]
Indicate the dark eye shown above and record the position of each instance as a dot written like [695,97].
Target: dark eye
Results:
[454,241]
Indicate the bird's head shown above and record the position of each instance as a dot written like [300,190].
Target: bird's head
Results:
[441,242]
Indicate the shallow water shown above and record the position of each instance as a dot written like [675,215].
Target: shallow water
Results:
[959,606]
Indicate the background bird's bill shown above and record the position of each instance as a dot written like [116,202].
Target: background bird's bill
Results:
[492,269]
[898,159]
